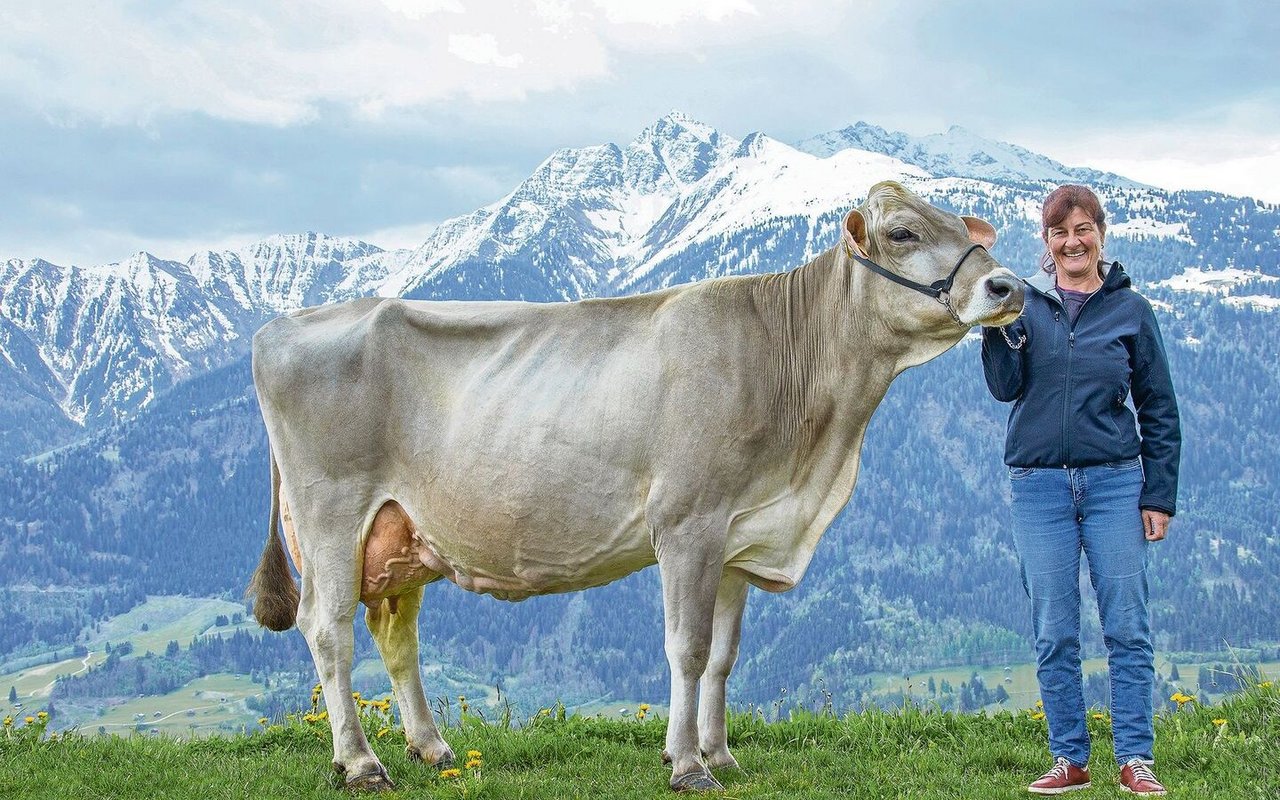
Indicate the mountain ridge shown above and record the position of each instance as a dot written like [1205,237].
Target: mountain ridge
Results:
[681,201]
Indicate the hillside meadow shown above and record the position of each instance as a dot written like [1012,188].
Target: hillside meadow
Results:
[1228,750]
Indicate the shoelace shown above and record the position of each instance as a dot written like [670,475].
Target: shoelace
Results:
[1060,767]
[1142,772]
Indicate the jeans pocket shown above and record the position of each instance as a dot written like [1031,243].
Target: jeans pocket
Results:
[1018,473]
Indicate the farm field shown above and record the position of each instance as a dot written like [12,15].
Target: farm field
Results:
[214,704]
[165,618]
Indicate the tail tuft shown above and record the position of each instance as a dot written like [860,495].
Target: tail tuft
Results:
[272,588]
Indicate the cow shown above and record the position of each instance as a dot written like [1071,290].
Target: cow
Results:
[520,449]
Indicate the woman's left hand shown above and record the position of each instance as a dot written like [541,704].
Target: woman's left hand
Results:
[1155,524]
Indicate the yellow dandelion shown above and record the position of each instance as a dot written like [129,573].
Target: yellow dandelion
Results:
[323,715]
[355,696]
[1039,704]
[474,764]
[1219,722]
[640,714]
[644,706]
[43,715]
[545,712]
[450,773]
[474,754]
[262,720]
[8,721]
[1265,685]
[1038,715]
[29,720]
[1099,715]
[317,689]
[383,732]
[462,698]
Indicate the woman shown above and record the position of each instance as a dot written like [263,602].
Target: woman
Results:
[1083,480]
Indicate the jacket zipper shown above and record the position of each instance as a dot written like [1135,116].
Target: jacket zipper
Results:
[1066,391]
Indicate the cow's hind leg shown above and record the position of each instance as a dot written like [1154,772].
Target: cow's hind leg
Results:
[713,734]
[394,625]
[690,559]
[326,617]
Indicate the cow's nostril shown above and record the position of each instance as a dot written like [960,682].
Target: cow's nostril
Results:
[1000,286]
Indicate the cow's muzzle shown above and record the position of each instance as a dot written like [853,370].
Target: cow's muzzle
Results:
[1007,292]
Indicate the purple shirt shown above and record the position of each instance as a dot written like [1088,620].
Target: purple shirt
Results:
[1074,301]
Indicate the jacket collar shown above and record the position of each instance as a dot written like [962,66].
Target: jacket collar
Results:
[1113,277]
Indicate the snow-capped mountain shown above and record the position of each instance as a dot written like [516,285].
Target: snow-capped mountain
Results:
[958,153]
[680,202]
[100,342]
[283,273]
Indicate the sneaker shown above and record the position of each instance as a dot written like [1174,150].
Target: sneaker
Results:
[1064,777]
[1137,777]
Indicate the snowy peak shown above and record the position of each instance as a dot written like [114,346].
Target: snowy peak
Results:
[958,153]
[282,272]
[680,147]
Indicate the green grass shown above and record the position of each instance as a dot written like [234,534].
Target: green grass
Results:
[915,752]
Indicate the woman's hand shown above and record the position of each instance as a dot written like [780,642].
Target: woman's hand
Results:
[1155,524]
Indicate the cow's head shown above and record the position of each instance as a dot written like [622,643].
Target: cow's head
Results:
[922,246]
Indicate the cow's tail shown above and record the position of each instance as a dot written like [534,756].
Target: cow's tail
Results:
[272,588]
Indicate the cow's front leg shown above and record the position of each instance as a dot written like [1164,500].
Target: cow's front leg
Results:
[326,617]
[396,634]
[713,734]
[690,561]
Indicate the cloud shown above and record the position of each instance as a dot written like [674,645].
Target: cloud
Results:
[482,49]
[162,123]
[1237,162]
[671,12]
[280,64]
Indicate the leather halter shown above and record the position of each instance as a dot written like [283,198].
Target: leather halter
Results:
[939,290]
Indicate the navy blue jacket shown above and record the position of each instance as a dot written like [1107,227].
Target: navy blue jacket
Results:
[1069,383]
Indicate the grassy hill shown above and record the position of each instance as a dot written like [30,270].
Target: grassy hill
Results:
[1222,751]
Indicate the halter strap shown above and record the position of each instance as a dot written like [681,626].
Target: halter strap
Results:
[936,290]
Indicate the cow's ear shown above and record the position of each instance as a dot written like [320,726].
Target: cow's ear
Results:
[980,231]
[854,232]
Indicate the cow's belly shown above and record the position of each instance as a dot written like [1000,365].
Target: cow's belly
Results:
[508,544]
[515,559]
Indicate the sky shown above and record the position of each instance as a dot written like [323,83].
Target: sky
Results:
[173,127]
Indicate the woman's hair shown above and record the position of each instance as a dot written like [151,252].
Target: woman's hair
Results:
[1057,207]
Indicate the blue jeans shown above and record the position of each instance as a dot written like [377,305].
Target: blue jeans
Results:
[1057,513]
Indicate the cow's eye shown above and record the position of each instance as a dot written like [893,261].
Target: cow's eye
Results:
[901,235]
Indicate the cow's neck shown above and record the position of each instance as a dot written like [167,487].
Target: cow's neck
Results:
[835,360]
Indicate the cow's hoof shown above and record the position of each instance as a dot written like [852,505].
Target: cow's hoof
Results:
[373,781]
[445,761]
[723,760]
[696,782]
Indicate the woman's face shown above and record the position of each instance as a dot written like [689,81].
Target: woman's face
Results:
[1076,246]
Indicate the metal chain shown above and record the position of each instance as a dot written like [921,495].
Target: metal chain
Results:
[1021,339]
